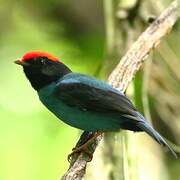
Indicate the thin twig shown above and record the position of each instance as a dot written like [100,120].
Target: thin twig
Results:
[124,72]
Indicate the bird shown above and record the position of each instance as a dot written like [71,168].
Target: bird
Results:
[82,101]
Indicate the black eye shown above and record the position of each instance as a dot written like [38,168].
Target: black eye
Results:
[42,61]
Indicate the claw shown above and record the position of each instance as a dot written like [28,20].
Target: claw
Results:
[84,147]
[79,150]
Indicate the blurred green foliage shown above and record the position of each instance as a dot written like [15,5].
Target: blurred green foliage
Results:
[34,144]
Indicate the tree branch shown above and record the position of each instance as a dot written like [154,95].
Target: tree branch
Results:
[124,72]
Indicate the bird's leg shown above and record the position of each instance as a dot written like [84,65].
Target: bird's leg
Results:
[83,145]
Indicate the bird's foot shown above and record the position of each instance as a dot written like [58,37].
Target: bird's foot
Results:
[84,148]
[78,150]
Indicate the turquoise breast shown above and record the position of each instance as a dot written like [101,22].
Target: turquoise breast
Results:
[76,117]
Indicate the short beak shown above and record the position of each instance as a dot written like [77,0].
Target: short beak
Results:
[20,62]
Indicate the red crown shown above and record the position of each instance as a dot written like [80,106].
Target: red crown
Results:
[36,54]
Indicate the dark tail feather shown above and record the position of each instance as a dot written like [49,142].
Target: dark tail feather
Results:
[155,135]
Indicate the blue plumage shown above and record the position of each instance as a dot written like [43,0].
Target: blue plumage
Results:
[92,105]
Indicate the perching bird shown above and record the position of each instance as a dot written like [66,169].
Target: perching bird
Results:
[83,101]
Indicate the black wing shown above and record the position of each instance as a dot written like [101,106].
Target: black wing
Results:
[91,98]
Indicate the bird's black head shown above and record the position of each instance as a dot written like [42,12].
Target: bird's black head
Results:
[42,68]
